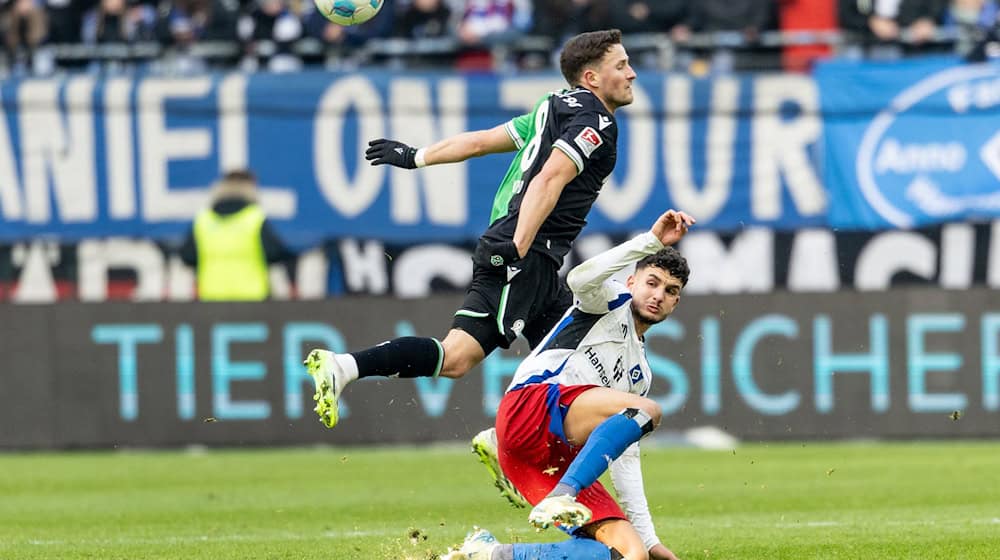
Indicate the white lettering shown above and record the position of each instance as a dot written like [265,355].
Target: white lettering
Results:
[707,201]
[349,197]
[10,189]
[748,265]
[993,261]
[35,283]
[812,265]
[158,146]
[958,253]
[445,191]
[180,280]
[364,266]
[311,273]
[890,253]
[521,94]
[97,257]
[780,147]
[894,157]
[417,268]
[621,203]
[119,146]
[277,202]
[62,147]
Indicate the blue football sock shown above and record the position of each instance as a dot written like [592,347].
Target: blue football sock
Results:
[573,549]
[607,442]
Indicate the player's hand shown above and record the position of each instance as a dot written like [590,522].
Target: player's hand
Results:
[490,254]
[382,152]
[660,552]
[672,226]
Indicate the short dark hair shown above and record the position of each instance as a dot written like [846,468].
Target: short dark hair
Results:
[584,50]
[668,259]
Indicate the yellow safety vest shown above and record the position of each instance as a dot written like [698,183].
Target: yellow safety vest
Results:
[231,261]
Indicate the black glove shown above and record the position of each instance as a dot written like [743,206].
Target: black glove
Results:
[382,151]
[491,254]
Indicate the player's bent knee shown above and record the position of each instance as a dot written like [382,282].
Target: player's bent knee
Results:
[642,418]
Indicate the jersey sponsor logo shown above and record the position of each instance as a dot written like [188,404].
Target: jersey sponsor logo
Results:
[603,122]
[588,140]
[595,361]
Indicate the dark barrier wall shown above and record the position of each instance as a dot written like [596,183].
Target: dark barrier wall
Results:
[892,364]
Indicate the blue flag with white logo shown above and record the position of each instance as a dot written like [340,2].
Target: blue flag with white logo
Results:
[910,143]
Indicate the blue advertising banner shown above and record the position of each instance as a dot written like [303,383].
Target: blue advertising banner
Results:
[84,157]
[910,143]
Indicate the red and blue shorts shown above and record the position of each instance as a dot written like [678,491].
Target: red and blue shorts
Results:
[533,450]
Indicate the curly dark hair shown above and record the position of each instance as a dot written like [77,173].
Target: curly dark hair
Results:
[668,259]
[584,50]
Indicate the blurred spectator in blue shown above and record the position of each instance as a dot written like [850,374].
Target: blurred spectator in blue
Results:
[379,27]
[971,15]
[423,19]
[66,19]
[493,22]
[183,22]
[277,22]
[644,16]
[23,26]
[119,21]
[971,22]
[892,20]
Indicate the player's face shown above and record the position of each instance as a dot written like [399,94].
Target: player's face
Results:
[616,77]
[655,293]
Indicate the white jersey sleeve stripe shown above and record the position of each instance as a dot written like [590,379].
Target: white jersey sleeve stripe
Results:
[512,132]
[564,147]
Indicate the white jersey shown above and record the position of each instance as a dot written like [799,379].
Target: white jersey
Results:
[596,343]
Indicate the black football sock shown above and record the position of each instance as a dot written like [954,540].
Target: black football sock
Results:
[407,357]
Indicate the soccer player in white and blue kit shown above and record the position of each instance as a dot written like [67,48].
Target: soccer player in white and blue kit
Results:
[578,402]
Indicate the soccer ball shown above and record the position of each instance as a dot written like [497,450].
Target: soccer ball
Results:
[348,12]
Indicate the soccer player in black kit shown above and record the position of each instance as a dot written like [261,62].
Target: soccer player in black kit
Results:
[566,150]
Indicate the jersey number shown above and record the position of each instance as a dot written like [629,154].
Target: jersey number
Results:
[531,150]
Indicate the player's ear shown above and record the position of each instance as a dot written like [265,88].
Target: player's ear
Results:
[630,281]
[590,77]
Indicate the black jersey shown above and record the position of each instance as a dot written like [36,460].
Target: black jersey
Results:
[576,123]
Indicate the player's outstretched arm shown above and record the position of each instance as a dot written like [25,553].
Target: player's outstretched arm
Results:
[450,150]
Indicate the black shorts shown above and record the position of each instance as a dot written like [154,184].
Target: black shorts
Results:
[502,303]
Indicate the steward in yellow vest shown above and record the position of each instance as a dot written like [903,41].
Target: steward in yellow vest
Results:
[231,243]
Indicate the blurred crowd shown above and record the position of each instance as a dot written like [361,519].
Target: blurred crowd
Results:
[468,32]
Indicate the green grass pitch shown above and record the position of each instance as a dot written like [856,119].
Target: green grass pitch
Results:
[795,501]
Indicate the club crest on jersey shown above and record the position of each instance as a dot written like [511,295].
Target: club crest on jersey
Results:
[635,374]
[588,140]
